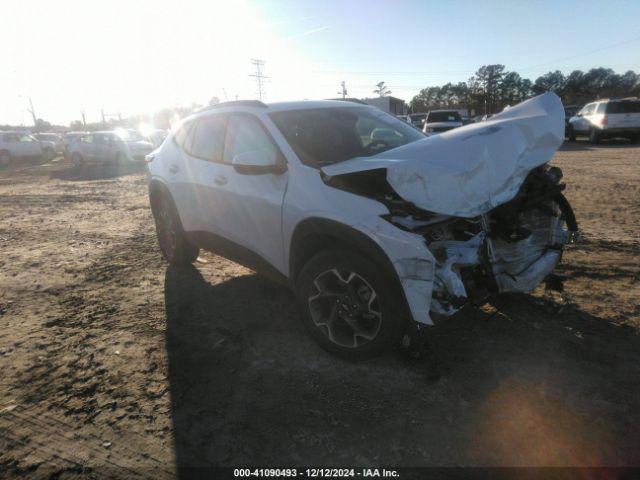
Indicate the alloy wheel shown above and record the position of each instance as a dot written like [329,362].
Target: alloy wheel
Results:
[345,307]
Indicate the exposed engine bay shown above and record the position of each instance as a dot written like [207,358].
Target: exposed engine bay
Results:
[512,248]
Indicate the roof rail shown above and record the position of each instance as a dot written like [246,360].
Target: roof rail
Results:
[234,103]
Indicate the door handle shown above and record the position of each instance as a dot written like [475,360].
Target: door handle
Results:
[219,179]
[174,169]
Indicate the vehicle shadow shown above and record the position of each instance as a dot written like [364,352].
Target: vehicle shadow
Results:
[521,385]
[97,171]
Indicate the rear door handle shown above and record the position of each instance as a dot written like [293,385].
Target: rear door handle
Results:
[219,179]
[174,169]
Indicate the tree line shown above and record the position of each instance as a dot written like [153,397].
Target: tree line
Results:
[492,88]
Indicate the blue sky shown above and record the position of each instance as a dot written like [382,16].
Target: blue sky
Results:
[440,41]
[136,57]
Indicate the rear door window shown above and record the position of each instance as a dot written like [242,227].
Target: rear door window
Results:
[181,134]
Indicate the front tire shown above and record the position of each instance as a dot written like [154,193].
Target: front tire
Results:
[172,240]
[571,134]
[348,305]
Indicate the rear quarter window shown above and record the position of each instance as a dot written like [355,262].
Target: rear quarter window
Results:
[181,134]
[626,106]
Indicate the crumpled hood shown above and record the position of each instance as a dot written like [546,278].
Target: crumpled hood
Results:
[470,170]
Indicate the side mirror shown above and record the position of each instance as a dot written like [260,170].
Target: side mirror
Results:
[258,162]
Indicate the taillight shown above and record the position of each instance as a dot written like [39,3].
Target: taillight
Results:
[604,121]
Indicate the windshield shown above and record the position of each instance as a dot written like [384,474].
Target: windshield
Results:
[448,116]
[324,136]
[418,116]
[129,135]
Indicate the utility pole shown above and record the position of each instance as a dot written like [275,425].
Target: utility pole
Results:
[344,90]
[259,76]
[33,113]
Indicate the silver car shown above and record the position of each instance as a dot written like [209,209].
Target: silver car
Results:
[120,146]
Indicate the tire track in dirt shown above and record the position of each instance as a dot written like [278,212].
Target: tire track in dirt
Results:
[83,313]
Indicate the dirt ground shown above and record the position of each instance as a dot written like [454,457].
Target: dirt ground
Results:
[111,363]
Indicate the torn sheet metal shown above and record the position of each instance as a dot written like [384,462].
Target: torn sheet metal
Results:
[470,170]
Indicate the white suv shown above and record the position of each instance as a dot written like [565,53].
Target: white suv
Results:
[377,228]
[607,119]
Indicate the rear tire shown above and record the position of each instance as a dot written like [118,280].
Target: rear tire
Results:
[77,159]
[5,159]
[172,240]
[48,154]
[594,136]
[349,306]
[571,134]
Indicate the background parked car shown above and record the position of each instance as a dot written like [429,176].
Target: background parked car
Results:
[18,145]
[607,119]
[109,147]
[417,119]
[155,137]
[67,139]
[569,111]
[52,140]
[439,121]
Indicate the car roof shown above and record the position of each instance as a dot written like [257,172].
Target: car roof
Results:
[243,105]
[444,110]
[312,104]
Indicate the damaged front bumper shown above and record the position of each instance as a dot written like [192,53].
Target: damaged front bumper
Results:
[444,262]
[512,248]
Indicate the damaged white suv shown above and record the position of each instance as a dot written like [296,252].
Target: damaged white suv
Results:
[377,227]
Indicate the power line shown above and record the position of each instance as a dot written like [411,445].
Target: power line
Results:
[259,76]
[589,52]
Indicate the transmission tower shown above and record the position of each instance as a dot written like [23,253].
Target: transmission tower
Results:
[259,76]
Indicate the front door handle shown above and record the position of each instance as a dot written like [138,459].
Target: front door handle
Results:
[174,169]
[219,179]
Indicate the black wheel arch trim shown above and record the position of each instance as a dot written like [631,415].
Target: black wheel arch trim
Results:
[315,234]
